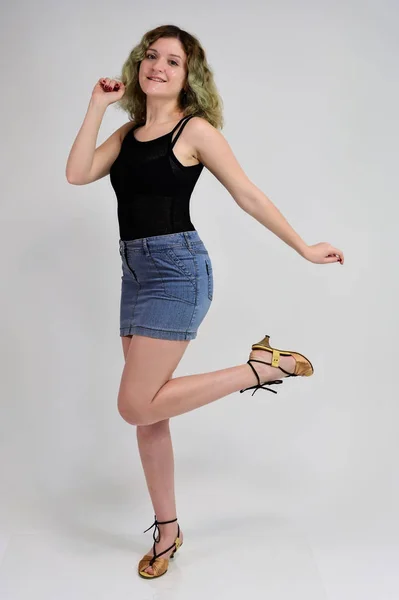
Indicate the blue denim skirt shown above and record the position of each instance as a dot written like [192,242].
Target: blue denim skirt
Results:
[167,285]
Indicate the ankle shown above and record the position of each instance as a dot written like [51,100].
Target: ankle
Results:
[268,371]
[168,529]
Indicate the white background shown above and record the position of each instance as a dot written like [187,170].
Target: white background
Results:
[292,495]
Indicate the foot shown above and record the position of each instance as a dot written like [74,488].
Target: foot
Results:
[167,538]
[268,373]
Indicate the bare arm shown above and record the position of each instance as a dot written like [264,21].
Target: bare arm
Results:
[86,163]
[215,153]
[213,150]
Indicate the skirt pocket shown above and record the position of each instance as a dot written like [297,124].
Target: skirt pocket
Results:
[177,270]
[184,261]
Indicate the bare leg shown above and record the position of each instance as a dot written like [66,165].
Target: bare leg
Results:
[148,393]
[156,453]
[183,394]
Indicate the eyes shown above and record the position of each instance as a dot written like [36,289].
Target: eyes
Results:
[153,56]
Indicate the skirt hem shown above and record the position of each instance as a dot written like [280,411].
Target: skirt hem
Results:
[158,333]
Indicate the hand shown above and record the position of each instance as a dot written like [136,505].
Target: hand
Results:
[323,253]
[107,91]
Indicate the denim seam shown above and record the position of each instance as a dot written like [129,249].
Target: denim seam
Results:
[182,268]
[210,279]
[157,329]
[164,289]
[178,335]
[138,292]
[196,292]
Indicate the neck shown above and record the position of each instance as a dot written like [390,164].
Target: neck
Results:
[159,112]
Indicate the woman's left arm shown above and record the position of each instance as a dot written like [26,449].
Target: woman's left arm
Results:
[213,150]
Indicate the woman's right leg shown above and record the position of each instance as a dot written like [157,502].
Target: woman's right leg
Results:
[156,454]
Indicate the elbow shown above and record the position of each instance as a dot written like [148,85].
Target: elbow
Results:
[246,195]
[245,203]
[74,180]
[248,198]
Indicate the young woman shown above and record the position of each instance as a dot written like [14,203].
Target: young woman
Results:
[154,161]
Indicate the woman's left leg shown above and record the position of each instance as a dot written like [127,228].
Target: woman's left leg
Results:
[146,396]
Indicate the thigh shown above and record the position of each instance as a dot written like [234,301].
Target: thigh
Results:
[125,344]
[149,364]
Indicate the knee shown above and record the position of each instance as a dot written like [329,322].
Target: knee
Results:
[140,414]
[132,412]
[133,417]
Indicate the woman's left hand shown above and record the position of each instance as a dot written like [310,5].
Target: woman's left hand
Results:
[323,253]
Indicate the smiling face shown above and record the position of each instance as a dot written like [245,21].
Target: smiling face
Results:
[163,70]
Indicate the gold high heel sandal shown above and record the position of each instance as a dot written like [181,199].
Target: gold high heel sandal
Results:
[159,565]
[303,366]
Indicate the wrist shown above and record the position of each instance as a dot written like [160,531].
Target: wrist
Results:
[97,106]
[303,250]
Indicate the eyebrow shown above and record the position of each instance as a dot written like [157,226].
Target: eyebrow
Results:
[154,50]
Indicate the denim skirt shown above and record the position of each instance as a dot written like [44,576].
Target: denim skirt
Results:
[167,285]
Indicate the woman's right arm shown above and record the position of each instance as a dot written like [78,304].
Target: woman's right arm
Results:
[86,163]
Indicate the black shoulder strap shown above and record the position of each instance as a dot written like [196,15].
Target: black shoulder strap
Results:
[184,120]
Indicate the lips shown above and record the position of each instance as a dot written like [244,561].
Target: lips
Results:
[157,79]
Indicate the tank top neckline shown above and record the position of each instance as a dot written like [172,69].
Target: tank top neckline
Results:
[157,138]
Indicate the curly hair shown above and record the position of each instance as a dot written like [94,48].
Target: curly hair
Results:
[199,97]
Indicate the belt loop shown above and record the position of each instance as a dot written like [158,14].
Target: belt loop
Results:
[186,237]
[145,247]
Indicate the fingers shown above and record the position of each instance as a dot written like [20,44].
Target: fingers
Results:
[339,256]
[335,256]
[334,252]
[110,85]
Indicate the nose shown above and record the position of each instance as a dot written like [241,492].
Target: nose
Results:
[157,63]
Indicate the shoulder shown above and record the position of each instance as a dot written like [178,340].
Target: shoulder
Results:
[201,134]
[124,129]
[200,126]
[214,152]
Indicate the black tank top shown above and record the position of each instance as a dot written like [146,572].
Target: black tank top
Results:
[152,187]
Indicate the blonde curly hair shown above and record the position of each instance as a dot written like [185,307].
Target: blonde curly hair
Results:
[199,97]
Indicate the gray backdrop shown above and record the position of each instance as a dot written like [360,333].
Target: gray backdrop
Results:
[292,495]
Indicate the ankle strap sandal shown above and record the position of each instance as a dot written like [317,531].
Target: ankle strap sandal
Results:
[303,366]
[261,386]
[159,565]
